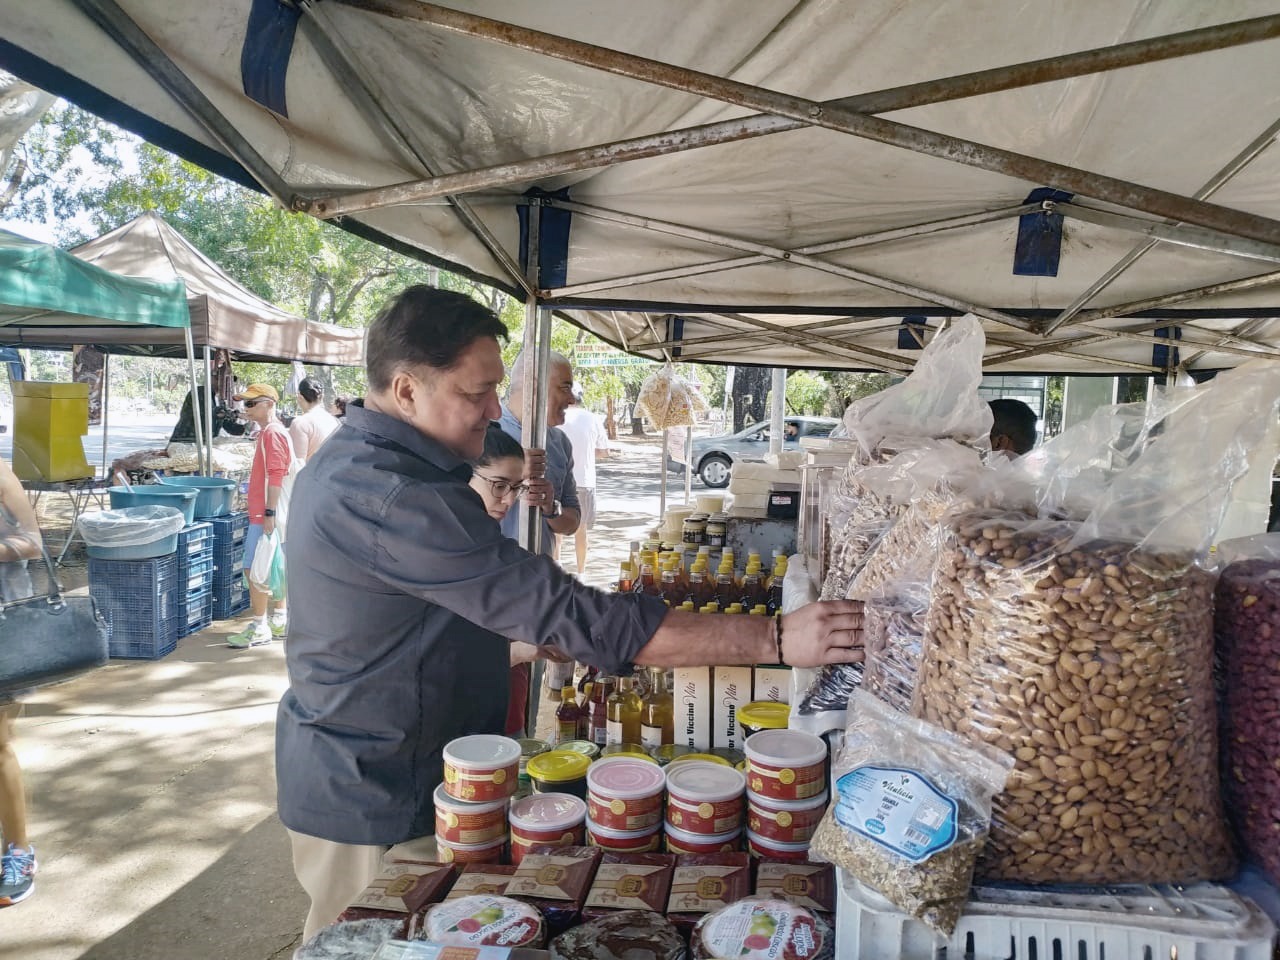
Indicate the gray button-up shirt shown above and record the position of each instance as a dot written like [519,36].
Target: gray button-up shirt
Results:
[402,591]
[559,473]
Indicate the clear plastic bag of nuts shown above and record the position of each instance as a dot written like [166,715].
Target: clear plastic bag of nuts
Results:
[1091,663]
[893,632]
[1247,636]
[910,811]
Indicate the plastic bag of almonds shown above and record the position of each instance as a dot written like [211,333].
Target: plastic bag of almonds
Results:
[910,811]
[1247,631]
[1091,663]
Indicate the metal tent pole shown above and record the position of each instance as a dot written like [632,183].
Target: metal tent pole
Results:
[662,470]
[106,407]
[779,411]
[195,398]
[688,465]
[208,411]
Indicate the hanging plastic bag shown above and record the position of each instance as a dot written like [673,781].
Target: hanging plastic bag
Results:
[277,583]
[669,400]
[911,810]
[893,633]
[264,561]
[1247,641]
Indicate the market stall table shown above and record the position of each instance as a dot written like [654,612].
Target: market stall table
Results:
[91,491]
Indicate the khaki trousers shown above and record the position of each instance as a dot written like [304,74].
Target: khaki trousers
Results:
[334,874]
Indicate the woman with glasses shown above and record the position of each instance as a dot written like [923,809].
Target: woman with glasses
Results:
[498,473]
[498,476]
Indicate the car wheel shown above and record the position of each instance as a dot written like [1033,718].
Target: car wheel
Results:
[714,470]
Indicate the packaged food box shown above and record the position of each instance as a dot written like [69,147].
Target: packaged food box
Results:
[692,706]
[762,930]
[705,882]
[630,881]
[424,950]
[402,890]
[556,881]
[481,878]
[809,885]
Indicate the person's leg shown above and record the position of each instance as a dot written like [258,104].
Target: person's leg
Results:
[258,631]
[18,866]
[13,801]
[587,506]
[580,548]
[332,874]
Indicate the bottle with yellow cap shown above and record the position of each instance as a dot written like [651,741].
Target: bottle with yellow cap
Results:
[726,586]
[657,713]
[753,591]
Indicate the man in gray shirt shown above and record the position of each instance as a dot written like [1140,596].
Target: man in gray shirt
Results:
[404,594]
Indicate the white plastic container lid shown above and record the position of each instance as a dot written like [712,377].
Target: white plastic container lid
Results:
[794,806]
[482,751]
[700,839]
[700,781]
[611,834]
[768,844]
[446,802]
[548,812]
[487,845]
[622,778]
[786,748]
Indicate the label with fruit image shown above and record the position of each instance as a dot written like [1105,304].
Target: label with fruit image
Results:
[760,930]
[484,921]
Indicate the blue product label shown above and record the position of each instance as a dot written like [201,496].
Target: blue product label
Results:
[898,809]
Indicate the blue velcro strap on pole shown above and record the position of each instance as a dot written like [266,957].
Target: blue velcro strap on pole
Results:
[264,58]
[553,240]
[1163,355]
[677,333]
[1039,237]
[911,333]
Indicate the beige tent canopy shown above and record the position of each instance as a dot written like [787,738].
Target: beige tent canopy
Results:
[224,314]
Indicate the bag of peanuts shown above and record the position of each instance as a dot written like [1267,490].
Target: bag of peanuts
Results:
[893,633]
[910,810]
[1082,642]
[1247,634]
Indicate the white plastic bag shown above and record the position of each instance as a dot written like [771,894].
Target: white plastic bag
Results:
[264,557]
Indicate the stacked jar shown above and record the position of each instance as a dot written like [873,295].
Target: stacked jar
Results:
[786,792]
[624,804]
[546,819]
[705,807]
[481,774]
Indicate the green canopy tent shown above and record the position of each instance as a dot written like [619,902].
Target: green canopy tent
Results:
[42,286]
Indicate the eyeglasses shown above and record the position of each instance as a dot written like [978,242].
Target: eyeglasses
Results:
[249,404]
[503,488]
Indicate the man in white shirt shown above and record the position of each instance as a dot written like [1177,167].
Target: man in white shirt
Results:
[313,426]
[587,436]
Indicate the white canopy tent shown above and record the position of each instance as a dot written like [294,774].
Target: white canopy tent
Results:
[806,245]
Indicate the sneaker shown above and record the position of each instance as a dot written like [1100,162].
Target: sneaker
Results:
[279,627]
[253,635]
[17,875]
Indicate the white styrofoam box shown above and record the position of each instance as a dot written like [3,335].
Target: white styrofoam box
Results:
[747,470]
[785,459]
[1203,921]
[740,485]
[750,501]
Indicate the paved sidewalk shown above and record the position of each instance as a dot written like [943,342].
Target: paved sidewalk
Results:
[152,788]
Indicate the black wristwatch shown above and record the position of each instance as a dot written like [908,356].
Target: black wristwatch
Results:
[268,512]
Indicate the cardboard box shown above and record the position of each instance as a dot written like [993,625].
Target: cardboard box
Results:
[693,707]
[482,878]
[732,691]
[772,683]
[630,881]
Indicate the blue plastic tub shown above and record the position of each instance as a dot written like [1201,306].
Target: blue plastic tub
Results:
[158,495]
[216,495]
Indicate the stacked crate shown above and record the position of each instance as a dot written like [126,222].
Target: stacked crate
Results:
[230,590]
[142,603]
[195,561]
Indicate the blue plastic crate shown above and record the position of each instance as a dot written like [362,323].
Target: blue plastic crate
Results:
[197,611]
[230,599]
[198,574]
[141,601]
[195,541]
[230,566]
[229,531]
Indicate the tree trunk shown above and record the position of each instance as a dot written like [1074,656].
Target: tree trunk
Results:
[750,393]
[610,423]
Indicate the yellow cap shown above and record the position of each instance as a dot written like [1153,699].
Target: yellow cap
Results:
[759,610]
[705,757]
[558,766]
[764,715]
[712,607]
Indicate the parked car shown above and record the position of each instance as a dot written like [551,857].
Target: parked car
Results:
[714,457]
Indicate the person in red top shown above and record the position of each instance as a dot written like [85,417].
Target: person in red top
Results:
[272,458]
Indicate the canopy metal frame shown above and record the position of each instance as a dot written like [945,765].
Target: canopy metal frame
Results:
[1158,216]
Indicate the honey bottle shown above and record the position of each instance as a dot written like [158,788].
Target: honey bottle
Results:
[600,692]
[624,707]
[568,715]
[657,714]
